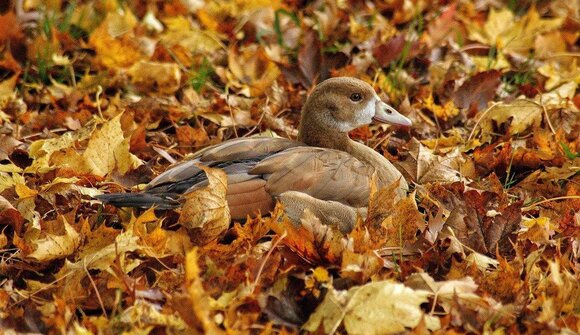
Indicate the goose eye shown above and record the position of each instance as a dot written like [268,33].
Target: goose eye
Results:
[356,97]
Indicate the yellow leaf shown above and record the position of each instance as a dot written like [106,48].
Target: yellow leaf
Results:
[200,310]
[103,245]
[321,274]
[49,247]
[205,212]
[196,41]
[376,308]
[549,44]
[560,97]
[155,78]
[558,73]
[41,151]
[446,143]
[509,34]
[523,114]
[447,292]
[106,151]
[7,92]
[251,71]
[6,181]
[24,191]
[444,112]
[114,42]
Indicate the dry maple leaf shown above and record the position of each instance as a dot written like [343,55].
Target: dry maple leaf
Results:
[251,71]
[311,239]
[205,212]
[509,34]
[45,247]
[482,220]
[376,308]
[107,150]
[422,166]
[195,305]
[114,41]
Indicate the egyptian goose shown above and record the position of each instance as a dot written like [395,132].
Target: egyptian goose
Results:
[324,170]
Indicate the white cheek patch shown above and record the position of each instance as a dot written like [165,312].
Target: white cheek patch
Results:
[366,114]
[343,126]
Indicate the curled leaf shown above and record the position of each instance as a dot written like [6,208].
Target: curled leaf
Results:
[205,212]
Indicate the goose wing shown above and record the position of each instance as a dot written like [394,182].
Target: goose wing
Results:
[324,174]
[234,156]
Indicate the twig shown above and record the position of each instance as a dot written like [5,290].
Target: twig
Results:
[530,207]
[95,288]
[479,120]
[274,245]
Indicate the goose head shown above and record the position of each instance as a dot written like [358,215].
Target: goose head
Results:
[343,104]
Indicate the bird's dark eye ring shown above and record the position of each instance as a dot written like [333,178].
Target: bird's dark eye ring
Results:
[356,97]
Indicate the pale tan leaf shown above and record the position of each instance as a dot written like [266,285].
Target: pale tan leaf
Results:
[205,212]
[376,308]
[155,78]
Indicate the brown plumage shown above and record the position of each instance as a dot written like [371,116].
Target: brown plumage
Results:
[324,170]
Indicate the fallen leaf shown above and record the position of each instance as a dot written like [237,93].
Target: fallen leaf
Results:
[443,25]
[521,113]
[444,112]
[446,291]
[114,41]
[311,239]
[422,166]
[107,150]
[558,73]
[199,302]
[509,34]
[358,309]
[251,71]
[474,222]
[477,91]
[155,78]
[47,247]
[205,212]
[549,44]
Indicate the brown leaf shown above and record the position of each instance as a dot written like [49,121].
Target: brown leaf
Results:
[482,220]
[310,58]
[191,137]
[313,65]
[477,91]
[11,28]
[422,166]
[442,26]
[205,212]
[387,52]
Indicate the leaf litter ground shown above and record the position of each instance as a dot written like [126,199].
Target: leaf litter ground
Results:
[101,96]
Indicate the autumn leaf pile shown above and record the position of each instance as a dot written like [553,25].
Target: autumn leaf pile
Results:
[101,96]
